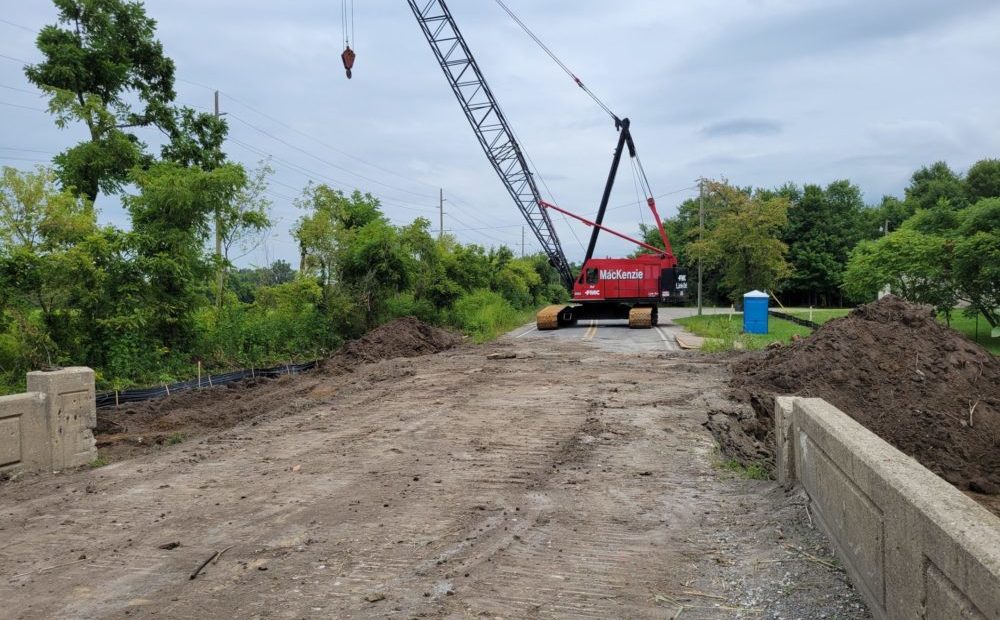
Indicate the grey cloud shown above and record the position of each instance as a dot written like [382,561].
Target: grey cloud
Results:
[743,127]
[830,27]
[759,92]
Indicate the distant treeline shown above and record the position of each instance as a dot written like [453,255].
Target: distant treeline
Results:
[823,246]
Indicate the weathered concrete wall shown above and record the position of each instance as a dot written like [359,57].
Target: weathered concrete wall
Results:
[914,545]
[51,426]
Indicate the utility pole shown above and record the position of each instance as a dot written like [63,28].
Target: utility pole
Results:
[701,231]
[220,275]
[522,242]
[441,213]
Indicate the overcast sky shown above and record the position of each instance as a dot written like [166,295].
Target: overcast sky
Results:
[759,91]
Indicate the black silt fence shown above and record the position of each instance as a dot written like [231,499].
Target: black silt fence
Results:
[112,399]
[794,319]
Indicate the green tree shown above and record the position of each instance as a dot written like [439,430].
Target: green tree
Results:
[196,139]
[983,180]
[977,259]
[241,222]
[103,67]
[40,227]
[823,226]
[373,264]
[329,215]
[171,220]
[745,244]
[915,265]
[933,184]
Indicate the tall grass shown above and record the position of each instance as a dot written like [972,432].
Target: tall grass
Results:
[484,315]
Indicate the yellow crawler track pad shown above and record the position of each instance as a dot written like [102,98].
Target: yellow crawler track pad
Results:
[640,318]
[548,317]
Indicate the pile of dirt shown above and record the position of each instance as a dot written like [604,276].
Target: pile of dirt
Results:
[137,428]
[921,386]
[405,337]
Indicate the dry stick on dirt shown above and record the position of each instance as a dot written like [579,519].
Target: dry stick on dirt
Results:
[48,568]
[812,558]
[202,566]
[972,410]
[218,555]
[703,595]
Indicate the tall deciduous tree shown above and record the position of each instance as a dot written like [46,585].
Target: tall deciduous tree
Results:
[934,184]
[745,244]
[977,258]
[104,67]
[915,265]
[241,223]
[40,262]
[171,220]
[823,226]
[983,180]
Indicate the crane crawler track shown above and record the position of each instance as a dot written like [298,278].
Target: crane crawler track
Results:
[548,317]
[640,318]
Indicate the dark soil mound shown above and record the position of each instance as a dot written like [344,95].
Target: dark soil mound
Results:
[921,386]
[405,337]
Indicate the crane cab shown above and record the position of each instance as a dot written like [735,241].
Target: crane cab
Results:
[647,278]
[620,288]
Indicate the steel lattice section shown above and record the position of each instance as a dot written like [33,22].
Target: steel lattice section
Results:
[489,124]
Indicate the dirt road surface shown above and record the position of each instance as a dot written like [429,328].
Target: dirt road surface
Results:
[574,480]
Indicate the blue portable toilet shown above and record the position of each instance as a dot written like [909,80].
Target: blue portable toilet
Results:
[755,312]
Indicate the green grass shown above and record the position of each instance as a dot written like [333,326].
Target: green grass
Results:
[100,461]
[175,439]
[967,326]
[724,332]
[819,315]
[484,315]
[754,471]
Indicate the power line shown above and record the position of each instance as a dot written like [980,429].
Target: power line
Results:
[324,144]
[480,233]
[336,150]
[471,211]
[488,228]
[25,107]
[312,174]
[10,23]
[12,148]
[676,191]
[39,161]
[21,60]
[277,195]
[20,90]
[325,161]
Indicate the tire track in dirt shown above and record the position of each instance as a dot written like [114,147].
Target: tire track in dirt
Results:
[546,486]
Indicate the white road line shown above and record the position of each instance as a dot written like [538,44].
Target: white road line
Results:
[666,341]
[525,333]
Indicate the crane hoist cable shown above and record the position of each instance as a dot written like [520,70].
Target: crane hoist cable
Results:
[347,29]
[556,59]
[638,162]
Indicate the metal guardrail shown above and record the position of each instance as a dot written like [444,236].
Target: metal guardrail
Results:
[117,398]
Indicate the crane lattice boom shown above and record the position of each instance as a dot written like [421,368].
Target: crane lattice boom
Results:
[489,124]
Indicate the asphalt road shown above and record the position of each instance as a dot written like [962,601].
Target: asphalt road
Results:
[615,336]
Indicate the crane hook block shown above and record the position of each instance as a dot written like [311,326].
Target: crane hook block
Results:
[348,58]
